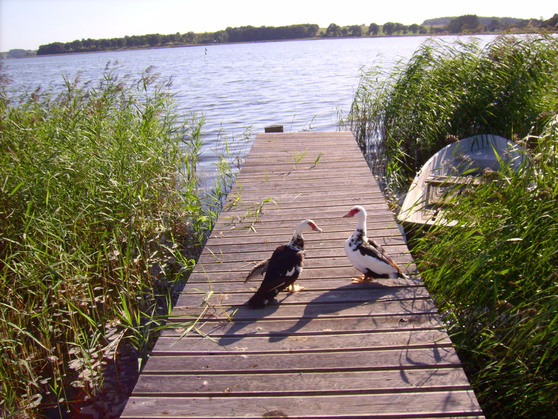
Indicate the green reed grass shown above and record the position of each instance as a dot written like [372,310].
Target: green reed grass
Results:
[494,277]
[99,221]
[449,90]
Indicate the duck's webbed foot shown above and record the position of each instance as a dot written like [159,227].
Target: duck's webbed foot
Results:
[362,279]
[294,288]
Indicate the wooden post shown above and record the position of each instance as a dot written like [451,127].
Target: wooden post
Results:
[274,128]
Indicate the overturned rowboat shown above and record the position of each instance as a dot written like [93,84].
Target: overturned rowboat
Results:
[457,166]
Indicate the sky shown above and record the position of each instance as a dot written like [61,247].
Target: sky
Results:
[26,24]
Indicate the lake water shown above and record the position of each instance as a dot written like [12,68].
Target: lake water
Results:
[301,85]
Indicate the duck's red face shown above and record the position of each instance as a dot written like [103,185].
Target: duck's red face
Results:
[352,212]
[313,226]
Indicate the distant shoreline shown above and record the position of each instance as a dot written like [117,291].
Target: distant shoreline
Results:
[466,25]
[321,38]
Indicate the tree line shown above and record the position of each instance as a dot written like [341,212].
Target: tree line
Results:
[241,34]
[457,25]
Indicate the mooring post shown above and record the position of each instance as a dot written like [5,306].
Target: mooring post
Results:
[274,128]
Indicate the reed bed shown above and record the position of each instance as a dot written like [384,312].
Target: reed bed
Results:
[494,277]
[100,221]
[448,91]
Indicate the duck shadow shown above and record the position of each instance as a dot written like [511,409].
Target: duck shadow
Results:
[327,304]
[241,317]
[330,303]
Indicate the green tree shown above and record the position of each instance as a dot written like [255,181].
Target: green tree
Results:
[414,28]
[399,27]
[354,30]
[53,48]
[89,44]
[388,28]
[221,37]
[333,30]
[189,38]
[75,46]
[465,23]
[154,39]
[495,25]
[119,43]
[551,23]
[373,29]
[105,43]
[170,39]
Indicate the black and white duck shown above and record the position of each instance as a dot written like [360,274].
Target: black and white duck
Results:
[282,269]
[366,255]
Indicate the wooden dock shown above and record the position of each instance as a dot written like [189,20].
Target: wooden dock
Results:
[333,350]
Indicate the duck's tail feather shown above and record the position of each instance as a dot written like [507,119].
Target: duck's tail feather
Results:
[259,269]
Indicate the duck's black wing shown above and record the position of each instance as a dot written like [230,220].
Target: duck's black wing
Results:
[372,248]
[283,269]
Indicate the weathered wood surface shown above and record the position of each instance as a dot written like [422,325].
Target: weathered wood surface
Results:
[335,349]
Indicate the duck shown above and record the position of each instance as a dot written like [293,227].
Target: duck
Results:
[365,254]
[282,269]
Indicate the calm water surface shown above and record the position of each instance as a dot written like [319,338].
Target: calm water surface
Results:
[299,84]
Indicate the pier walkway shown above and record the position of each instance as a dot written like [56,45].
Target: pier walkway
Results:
[333,350]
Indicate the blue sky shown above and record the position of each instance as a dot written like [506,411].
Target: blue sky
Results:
[29,23]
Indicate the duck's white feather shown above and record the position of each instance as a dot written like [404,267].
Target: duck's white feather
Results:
[365,254]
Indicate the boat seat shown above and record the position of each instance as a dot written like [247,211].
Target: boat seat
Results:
[440,190]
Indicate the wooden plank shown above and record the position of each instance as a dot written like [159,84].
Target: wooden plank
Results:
[283,311]
[347,294]
[407,405]
[282,343]
[301,384]
[335,349]
[340,361]
[326,278]
[310,326]
[311,284]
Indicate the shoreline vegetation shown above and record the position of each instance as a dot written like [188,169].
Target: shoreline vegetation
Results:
[101,221]
[461,25]
[494,277]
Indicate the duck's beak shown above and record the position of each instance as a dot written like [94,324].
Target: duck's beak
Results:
[351,213]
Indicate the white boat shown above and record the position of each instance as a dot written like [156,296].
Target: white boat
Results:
[459,163]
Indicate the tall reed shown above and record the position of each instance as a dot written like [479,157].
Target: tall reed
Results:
[495,278]
[449,90]
[99,221]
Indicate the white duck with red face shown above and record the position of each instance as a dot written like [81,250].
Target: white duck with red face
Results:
[365,254]
[282,269]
